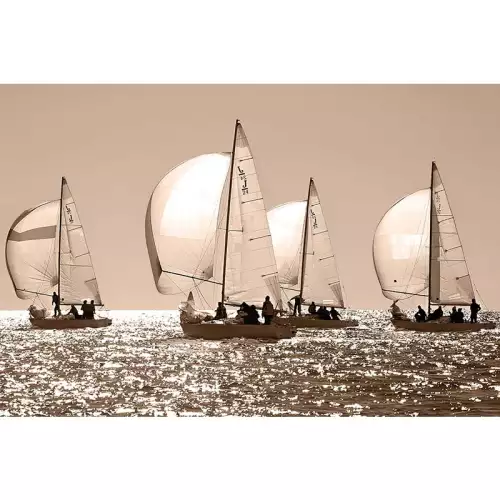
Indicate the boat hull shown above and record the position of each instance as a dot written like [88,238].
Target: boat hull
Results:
[69,324]
[305,322]
[430,326]
[218,331]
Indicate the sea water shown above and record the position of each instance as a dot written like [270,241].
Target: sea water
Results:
[143,366]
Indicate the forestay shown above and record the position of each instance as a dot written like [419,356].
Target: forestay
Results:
[181,223]
[251,271]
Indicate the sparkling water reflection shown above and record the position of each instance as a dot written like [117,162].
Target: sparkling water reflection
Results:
[142,365]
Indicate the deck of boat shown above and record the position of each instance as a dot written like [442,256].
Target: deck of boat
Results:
[433,326]
[311,322]
[66,324]
[218,331]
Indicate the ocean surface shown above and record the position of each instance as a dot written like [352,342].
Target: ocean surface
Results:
[142,366]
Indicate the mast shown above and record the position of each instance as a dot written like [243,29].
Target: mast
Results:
[228,211]
[430,238]
[304,242]
[59,249]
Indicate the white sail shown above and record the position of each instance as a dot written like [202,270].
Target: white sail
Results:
[323,267]
[450,280]
[286,223]
[401,247]
[181,223]
[321,278]
[402,243]
[251,271]
[78,280]
[31,252]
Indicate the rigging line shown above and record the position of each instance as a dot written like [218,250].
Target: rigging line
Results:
[251,201]
[192,277]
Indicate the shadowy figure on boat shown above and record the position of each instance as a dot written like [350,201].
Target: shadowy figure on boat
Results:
[453,315]
[74,312]
[436,314]
[420,315]
[312,308]
[267,311]
[88,310]
[253,315]
[57,304]
[297,305]
[220,312]
[474,309]
[396,311]
[323,313]
[459,318]
[334,314]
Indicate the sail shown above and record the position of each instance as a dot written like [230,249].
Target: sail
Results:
[251,271]
[31,252]
[286,223]
[181,223]
[78,280]
[321,278]
[450,280]
[401,247]
[321,267]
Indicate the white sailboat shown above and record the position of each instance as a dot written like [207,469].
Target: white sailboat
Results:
[417,252]
[306,263]
[207,232]
[46,252]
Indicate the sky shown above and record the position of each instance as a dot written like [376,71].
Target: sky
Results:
[365,145]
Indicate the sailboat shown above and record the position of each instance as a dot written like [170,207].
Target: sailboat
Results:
[306,263]
[417,252]
[207,232]
[46,252]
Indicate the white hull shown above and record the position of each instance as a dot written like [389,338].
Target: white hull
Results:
[66,324]
[431,326]
[309,322]
[217,331]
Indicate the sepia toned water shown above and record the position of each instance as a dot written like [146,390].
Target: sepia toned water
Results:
[142,365]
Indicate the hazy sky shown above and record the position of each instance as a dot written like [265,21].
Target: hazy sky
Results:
[366,146]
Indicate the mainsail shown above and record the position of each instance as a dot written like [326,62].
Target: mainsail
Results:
[321,278]
[250,272]
[416,247]
[35,262]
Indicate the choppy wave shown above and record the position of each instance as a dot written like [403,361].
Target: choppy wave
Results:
[142,365]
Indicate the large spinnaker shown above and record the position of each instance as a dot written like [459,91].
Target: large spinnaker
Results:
[251,271]
[31,252]
[181,223]
[286,223]
[401,247]
[78,279]
[450,280]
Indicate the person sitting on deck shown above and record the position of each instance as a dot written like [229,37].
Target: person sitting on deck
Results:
[74,311]
[253,315]
[334,314]
[57,304]
[421,315]
[86,310]
[434,315]
[474,309]
[459,316]
[297,305]
[323,313]
[220,312]
[267,311]
[453,315]
[312,308]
